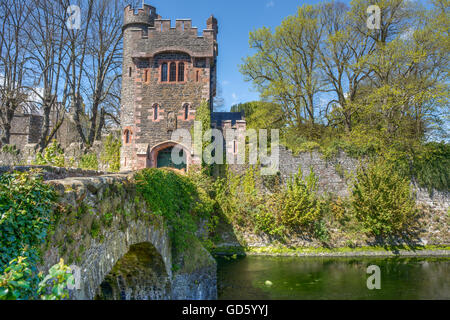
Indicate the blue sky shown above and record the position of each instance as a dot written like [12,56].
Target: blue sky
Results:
[236,19]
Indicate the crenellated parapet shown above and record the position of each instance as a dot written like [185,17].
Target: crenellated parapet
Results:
[142,16]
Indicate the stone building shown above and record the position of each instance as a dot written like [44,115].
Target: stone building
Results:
[168,71]
[26,129]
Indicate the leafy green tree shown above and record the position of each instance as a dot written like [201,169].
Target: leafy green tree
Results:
[261,115]
[285,66]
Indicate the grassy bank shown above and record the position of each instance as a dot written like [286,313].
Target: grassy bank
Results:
[434,250]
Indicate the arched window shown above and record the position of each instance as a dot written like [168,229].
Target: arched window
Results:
[181,72]
[164,72]
[155,112]
[173,72]
[186,111]
[127,135]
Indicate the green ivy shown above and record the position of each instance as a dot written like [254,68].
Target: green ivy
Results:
[174,197]
[25,206]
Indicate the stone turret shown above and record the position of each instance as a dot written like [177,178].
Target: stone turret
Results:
[168,71]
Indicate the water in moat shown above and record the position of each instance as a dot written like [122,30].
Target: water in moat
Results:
[298,278]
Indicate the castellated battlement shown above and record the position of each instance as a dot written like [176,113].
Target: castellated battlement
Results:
[143,16]
[182,27]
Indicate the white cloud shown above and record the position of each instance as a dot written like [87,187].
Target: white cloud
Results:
[225,82]
[270,4]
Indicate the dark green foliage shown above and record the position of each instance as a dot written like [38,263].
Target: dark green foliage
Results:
[17,281]
[25,206]
[431,167]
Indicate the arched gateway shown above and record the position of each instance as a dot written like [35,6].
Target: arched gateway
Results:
[170,154]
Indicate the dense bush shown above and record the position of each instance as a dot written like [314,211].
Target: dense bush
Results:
[89,161]
[382,199]
[302,207]
[26,203]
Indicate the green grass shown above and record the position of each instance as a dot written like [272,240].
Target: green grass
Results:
[282,250]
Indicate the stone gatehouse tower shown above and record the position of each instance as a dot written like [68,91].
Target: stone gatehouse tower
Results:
[167,72]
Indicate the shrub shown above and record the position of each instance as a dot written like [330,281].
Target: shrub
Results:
[266,222]
[382,199]
[111,153]
[302,207]
[89,161]
[53,155]
[321,231]
[18,282]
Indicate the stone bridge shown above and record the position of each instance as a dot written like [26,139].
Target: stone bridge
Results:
[103,229]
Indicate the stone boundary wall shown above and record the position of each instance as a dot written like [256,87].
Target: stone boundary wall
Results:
[332,176]
[54,173]
[331,179]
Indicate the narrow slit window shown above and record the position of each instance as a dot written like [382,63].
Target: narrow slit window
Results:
[130,70]
[181,72]
[155,112]
[127,136]
[173,72]
[197,76]
[146,76]
[164,72]
[186,112]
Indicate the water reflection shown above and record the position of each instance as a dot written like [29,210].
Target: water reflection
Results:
[332,278]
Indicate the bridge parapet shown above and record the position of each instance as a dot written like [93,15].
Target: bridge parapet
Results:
[122,251]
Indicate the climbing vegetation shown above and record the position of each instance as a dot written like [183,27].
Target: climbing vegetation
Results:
[178,199]
[26,203]
[25,206]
